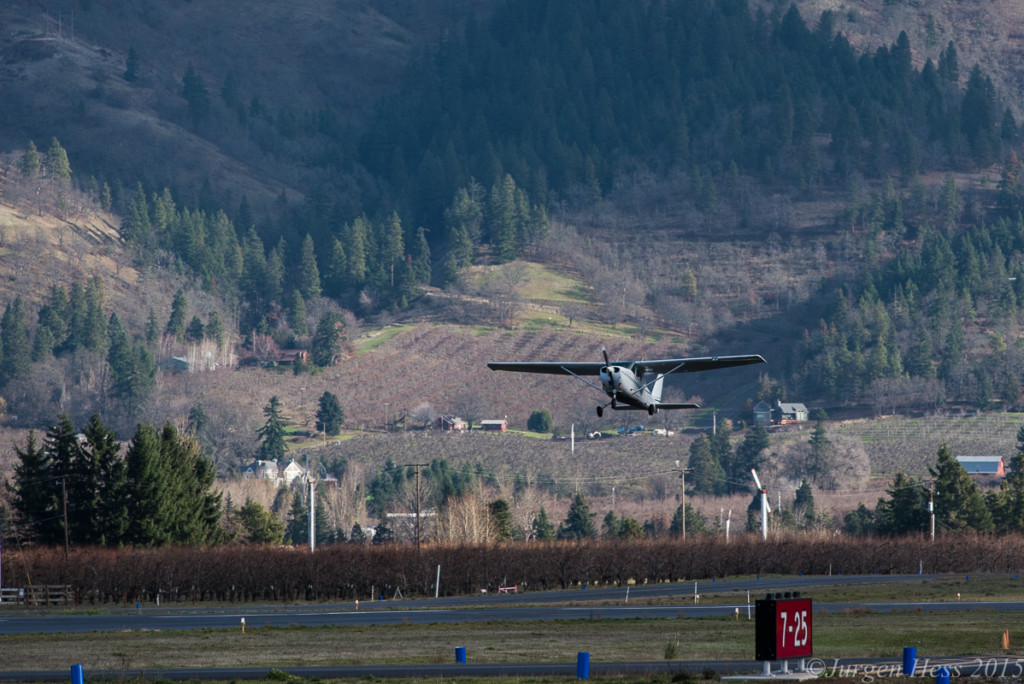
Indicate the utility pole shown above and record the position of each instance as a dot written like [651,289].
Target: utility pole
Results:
[419,467]
[931,507]
[312,516]
[682,488]
[64,489]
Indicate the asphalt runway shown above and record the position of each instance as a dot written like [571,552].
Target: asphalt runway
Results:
[539,606]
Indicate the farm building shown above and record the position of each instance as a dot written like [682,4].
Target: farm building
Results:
[494,425]
[450,422]
[762,414]
[273,470]
[983,465]
[784,414]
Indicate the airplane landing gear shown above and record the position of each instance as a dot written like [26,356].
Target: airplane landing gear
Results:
[600,411]
[652,409]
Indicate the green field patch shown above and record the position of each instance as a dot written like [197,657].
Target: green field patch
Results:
[547,283]
[372,340]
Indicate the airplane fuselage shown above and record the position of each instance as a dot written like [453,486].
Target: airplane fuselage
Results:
[624,387]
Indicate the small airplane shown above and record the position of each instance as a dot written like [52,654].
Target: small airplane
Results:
[624,381]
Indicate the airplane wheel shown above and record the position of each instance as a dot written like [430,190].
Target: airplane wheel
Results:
[600,411]
[651,410]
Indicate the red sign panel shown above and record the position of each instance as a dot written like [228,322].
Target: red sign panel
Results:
[783,628]
[793,628]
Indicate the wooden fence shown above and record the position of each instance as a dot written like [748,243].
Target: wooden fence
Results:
[44,595]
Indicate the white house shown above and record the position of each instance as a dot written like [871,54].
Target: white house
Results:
[274,470]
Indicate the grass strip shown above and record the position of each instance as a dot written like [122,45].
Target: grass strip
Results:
[854,633]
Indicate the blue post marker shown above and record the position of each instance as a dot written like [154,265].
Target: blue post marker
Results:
[583,665]
[460,654]
[77,676]
[942,675]
[909,660]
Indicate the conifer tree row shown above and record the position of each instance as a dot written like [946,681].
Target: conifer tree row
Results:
[155,493]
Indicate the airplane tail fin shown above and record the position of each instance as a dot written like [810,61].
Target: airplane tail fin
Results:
[656,389]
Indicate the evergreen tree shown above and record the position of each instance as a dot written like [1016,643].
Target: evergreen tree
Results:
[906,509]
[392,255]
[36,494]
[501,518]
[695,521]
[579,522]
[357,536]
[629,528]
[383,534]
[309,274]
[16,363]
[150,499]
[297,314]
[297,529]
[543,529]
[195,332]
[260,526]
[336,277]
[959,504]
[179,312]
[610,526]
[503,221]
[29,164]
[76,320]
[94,334]
[215,330]
[152,328]
[272,447]
[329,415]
[357,236]
[819,457]
[196,95]
[706,473]
[326,345]
[421,258]
[803,505]
[746,457]
[103,468]
[57,162]
[1007,505]
[859,521]
[539,421]
[168,490]
[133,370]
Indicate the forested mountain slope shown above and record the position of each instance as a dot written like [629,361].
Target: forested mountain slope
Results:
[743,176]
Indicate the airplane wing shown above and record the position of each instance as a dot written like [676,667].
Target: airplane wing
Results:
[552,367]
[699,364]
[594,368]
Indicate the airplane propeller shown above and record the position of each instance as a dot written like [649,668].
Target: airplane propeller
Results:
[607,363]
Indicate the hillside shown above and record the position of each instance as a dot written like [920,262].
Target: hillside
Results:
[740,227]
[990,34]
[62,66]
